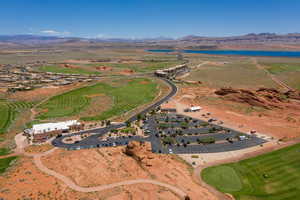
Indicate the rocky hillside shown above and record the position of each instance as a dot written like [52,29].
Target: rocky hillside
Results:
[263,97]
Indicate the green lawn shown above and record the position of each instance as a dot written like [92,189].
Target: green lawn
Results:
[9,111]
[276,68]
[145,66]
[4,151]
[126,96]
[288,72]
[272,176]
[234,74]
[5,163]
[65,70]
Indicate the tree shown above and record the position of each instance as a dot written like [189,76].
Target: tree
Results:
[187,198]
[128,124]
[108,122]
[139,117]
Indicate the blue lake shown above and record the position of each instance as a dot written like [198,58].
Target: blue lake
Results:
[235,52]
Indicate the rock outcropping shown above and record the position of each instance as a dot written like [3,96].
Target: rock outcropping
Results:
[140,151]
[263,97]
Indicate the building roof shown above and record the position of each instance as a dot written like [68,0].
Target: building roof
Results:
[195,108]
[47,127]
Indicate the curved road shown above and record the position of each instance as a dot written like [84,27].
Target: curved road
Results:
[100,131]
[74,186]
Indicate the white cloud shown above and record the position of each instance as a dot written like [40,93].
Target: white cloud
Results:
[100,36]
[53,32]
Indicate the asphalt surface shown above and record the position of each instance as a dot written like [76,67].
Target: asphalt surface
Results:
[195,129]
[220,136]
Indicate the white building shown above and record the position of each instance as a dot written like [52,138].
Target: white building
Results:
[195,108]
[42,132]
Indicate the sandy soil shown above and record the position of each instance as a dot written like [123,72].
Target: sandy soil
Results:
[278,123]
[25,181]
[41,93]
[38,148]
[78,61]
[208,158]
[104,68]
[127,72]
[111,165]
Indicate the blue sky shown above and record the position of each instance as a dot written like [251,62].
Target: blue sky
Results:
[148,18]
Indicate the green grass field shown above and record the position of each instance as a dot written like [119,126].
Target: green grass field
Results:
[126,95]
[5,163]
[64,70]
[145,66]
[276,68]
[9,111]
[235,74]
[287,72]
[272,176]
[4,151]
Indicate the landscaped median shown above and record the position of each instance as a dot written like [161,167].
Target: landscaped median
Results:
[271,176]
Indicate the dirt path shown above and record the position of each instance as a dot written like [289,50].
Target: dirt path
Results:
[33,109]
[74,186]
[201,64]
[9,155]
[273,77]
[37,161]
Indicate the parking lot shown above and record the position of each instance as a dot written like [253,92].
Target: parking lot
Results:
[177,138]
[183,137]
[169,133]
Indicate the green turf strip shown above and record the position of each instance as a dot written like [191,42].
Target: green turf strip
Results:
[65,70]
[5,163]
[272,176]
[224,178]
[4,151]
[126,97]
[9,111]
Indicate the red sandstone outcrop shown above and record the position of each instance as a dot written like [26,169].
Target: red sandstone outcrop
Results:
[263,97]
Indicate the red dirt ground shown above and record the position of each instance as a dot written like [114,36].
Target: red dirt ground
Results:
[104,68]
[111,165]
[93,167]
[41,93]
[127,72]
[279,123]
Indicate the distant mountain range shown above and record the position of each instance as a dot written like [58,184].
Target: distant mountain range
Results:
[249,38]
[191,40]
